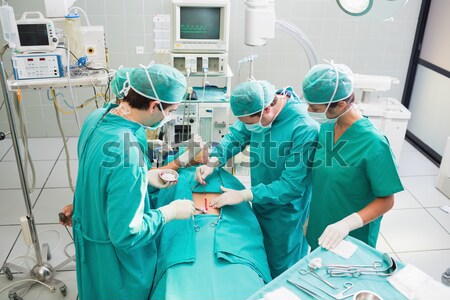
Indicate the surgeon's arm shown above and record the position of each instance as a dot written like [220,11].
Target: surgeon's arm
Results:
[376,208]
[233,143]
[336,232]
[130,223]
[382,173]
[295,179]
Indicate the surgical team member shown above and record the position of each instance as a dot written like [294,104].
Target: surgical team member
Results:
[282,138]
[114,227]
[354,173]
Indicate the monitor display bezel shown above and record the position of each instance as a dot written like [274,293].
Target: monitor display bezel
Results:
[192,45]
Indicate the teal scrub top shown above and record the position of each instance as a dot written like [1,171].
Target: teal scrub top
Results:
[348,175]
[113,224]
[280,161]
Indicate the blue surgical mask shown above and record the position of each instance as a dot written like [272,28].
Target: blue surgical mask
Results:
[321,117]
[167,118]
[258,127]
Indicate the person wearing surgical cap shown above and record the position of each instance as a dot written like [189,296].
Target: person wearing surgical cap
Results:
[354,173]
[114,227]
[282,139]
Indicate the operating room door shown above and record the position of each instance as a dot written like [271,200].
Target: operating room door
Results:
[429,101]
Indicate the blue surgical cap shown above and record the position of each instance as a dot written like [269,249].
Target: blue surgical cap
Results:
[166,83]
[319,84]
[159,82]
[119,79]
[251,97]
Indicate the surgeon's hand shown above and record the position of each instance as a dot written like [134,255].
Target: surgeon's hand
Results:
[231,197]
[335,233]
[202,172]
[155,180]
[205,170]
[67,211]
[194,147]
[178,210]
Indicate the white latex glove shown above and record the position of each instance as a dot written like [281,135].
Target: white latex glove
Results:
[155,181]
[205,170]
[195,145]
[335,233]
[231,197]
[178,210]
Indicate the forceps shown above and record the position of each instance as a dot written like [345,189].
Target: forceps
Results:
[338,296]
[306,272]
[305,290]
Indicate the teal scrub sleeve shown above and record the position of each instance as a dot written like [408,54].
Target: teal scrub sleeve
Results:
[130,224]
[295,179]
[381,171]
[233,143]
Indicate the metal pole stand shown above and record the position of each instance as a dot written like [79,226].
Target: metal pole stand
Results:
[42,271]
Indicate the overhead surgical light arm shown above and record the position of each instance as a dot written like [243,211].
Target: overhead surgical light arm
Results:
[260,24]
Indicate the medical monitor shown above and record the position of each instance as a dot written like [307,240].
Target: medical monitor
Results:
[35,33]
[200,26]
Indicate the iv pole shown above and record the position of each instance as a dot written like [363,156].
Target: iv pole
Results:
[42,271]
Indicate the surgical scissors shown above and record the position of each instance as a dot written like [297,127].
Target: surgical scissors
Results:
[306,272]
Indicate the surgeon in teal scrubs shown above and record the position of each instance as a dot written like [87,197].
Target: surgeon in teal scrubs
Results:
[354,173]
[113,224]
[282,137]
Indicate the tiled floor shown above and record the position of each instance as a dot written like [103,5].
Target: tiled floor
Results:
[51,194]
[416,230]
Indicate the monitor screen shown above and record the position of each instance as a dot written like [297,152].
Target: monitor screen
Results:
[33,34]
[200,23]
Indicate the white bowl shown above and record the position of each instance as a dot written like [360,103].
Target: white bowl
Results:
[366,295]
[168,175]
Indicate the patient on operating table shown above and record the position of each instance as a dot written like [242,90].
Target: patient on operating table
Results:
[219,254]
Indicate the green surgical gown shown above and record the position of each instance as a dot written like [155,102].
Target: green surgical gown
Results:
[223,259]
[113,224]
[348,175]
[281,179]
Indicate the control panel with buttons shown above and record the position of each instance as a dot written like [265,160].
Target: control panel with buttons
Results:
[35,66]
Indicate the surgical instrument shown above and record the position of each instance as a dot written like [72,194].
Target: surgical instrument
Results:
[306,272]
[376,264]
[202,210]
[62,217]
[340,295]
[305,290]
[356,271]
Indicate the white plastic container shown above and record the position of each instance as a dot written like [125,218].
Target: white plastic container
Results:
[9,26]
[74,36]
[391,117]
